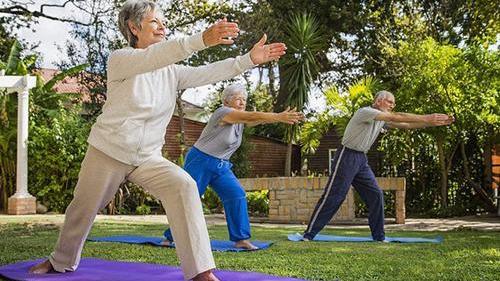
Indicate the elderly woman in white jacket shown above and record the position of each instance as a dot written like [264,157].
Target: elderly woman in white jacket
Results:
[126,140]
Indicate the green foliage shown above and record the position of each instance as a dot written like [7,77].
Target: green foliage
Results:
[143,210]
[8,128]
[303,37]
[132,199]
[56,147]
[443,164]
[361,210]
[57,143]
[258,203]
[211,202]
[13,61]
[57,137]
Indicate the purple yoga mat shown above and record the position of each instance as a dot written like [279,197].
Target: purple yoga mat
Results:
[91,269]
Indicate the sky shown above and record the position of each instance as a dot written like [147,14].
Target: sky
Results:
[52,35]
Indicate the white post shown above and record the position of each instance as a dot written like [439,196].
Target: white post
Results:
[21,202]
[22,143]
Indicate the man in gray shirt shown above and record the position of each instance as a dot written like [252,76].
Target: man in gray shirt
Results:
[351,165]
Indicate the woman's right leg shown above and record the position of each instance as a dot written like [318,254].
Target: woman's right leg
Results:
[98,180]
[179,196]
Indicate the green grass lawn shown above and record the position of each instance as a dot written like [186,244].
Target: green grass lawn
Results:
[464,255]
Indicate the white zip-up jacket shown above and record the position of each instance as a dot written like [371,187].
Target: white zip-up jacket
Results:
[142,88]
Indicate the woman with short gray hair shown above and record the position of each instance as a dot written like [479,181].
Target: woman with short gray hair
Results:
[126,141]
[208,160]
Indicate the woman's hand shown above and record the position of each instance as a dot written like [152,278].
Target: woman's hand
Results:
[290,116]
[262,53]
[222,32]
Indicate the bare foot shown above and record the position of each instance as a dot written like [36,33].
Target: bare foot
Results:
[42,268]
[245,244]
[166,243]
[206,276]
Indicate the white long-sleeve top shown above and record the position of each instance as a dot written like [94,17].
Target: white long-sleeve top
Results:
[141,92]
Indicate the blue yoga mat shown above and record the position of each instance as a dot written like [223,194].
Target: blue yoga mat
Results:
[217,245]
[92,269]
[334,238]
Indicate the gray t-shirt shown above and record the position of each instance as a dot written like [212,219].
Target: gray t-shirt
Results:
[220,139]
[362,130]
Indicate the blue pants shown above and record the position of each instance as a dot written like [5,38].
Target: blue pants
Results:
[350,167]
[208,170]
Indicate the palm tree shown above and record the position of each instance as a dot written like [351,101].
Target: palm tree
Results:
[298,69]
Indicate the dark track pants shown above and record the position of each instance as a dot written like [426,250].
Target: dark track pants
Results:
[350,167]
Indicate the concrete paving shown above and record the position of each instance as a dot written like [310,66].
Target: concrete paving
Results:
[486,223]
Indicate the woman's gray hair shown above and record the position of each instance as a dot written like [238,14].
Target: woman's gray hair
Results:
[232,90]
[382,95]
[134,11]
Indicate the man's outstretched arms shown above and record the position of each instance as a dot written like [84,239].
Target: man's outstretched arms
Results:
[413,121]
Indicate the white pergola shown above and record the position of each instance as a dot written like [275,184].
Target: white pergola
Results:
[21,202]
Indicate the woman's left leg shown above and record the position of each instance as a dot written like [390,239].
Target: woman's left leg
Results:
[233,197]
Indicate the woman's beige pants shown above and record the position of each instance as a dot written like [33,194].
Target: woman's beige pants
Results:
[99,179]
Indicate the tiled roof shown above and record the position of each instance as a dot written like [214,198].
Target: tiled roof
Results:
[68,85]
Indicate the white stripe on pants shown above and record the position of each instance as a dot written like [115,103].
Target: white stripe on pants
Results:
[99,179]
[326,193]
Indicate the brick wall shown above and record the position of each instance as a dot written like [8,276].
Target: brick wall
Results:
[192,130]
[268,157]
[292,199]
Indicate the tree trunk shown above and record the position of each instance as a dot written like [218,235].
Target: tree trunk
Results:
[288,159]
[272,78]
[465,162]
[480,192]
[261,73]
[488,164]
[444,173]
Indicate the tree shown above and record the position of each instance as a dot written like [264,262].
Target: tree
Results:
[434,77]
[22,12]
[298,70]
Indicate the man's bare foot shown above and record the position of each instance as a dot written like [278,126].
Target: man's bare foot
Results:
[206,276]
[245,244]
[42,268]
[166,243]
